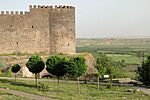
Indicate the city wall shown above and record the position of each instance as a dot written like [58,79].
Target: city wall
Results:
[44,29]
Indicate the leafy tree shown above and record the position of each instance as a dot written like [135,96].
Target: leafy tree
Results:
[110,71]
[76,68]
[56,65]
[100,74]
[35,65]
[143,73]
[101,71]
[15,68]
[72,69]
[104,66]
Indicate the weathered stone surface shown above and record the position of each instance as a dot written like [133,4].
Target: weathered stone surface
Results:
[25,72]
[44,30]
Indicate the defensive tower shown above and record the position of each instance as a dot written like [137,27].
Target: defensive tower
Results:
[44,29]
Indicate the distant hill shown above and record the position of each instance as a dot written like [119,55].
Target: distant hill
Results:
[112,41]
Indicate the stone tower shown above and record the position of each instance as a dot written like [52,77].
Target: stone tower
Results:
[44,29]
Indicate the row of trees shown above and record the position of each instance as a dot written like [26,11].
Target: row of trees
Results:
[59,66]
[70,66]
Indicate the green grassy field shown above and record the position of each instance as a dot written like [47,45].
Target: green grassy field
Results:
[131,54]
[129,59]
[69,91]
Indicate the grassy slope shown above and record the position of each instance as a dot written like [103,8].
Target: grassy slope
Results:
[69,91]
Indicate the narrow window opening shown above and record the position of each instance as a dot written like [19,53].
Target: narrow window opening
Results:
[17,43]
[10,25]
[68,44]
[32,26]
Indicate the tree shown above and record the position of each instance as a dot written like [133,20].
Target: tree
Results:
[100,74]
[72,69]
[35,65]
[15,68]
[56,65]
[101,71]
[104,66]
[76,68]
[143,73]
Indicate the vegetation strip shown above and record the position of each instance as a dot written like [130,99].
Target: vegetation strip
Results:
[69,91]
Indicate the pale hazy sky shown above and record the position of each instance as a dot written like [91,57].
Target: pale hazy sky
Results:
[99,18]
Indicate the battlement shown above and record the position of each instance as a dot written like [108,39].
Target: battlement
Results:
[14,13]
[54,7]
[51,7]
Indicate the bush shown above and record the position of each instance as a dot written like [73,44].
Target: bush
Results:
[43,87]
[6,74]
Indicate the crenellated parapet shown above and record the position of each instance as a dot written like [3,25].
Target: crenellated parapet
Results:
[14,13]
[52,7]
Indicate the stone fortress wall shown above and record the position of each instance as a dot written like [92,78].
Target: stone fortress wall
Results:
[44,29]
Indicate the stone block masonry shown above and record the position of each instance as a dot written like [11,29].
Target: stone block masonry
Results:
[43,30]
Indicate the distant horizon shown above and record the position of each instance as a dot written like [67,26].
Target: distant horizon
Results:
[117,37]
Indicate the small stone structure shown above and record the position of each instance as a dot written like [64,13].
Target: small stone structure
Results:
[44,30]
